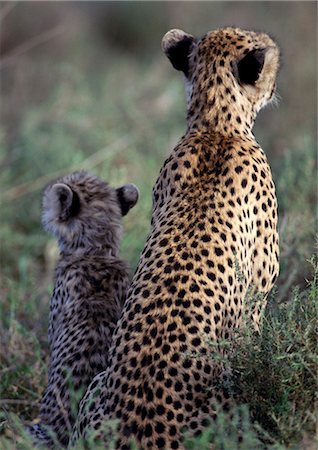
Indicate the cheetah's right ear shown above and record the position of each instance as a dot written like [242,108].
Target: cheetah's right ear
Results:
[177,45]
[127,196]
[257,67]
[61,201]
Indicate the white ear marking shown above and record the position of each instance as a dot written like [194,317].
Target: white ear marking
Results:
[62,194]
[172,37]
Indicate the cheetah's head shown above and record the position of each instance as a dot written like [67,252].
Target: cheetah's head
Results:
[85,214]
[229,74]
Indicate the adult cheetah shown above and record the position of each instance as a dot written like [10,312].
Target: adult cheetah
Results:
[91,280]
[213,237]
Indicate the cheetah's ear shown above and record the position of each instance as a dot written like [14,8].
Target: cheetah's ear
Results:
[248,69]
[127,196]
[177,45]
[258,67]
[61,201]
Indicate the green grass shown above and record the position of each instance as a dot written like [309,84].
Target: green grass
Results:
[274,375]
[120,122]
[276,372]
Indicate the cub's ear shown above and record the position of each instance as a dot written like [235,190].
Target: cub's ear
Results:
[61,202]
[248,69]
[177,45]
[127,196]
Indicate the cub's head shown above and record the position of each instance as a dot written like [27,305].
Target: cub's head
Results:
[230,74]
[84,212]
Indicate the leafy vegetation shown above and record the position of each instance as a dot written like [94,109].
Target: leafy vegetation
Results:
[276,372]
[84,103]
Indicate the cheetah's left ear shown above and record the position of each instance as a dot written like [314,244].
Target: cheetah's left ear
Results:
[177,45]
[127,196]
[61,202]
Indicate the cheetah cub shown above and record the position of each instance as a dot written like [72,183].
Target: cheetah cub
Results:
[85,215]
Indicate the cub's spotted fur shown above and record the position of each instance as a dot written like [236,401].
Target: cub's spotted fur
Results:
[85,214]
[213,239]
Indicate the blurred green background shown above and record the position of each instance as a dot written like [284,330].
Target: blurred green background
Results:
[85,85]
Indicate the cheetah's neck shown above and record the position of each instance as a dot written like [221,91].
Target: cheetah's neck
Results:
[221,109]
[79,253]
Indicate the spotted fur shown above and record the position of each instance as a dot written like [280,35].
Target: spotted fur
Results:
[85,215]
[213,240]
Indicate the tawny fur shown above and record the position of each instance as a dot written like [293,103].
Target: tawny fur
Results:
[213,240]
